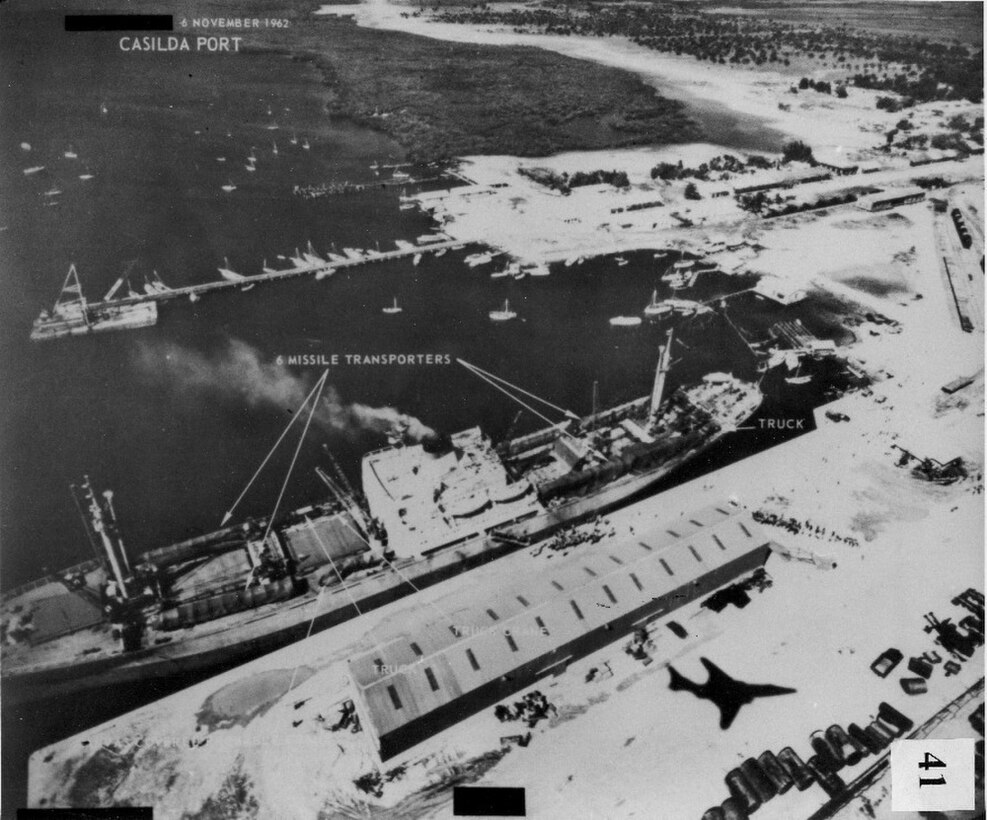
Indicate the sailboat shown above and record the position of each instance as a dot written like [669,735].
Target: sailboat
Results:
[656,308]
[228,274]
[274,148]
[251,157]
[394,308]
[305,145]
[103,109]
[310,256]
[294,139]
[797,378]
[504,314]
[266,269]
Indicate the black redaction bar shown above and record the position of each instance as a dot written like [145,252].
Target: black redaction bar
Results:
[119,22]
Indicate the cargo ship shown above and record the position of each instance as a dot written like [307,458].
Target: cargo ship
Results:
[430,509]
[73,315]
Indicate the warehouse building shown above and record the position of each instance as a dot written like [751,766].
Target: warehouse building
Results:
[426,675]
[883,200]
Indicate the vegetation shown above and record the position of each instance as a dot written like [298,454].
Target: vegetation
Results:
[797,151]
[565,182]
[716,168]
[913,66]
[691,191]
[442,99]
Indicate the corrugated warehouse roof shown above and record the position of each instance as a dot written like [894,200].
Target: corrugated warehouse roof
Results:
[429,663]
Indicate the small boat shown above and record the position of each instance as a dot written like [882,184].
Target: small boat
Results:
[323,273]
[416,259]
[656,308]
[440,252]
[25,146]
[661,254]
[625,321]
[229,186]
[274,148]
[354,254]
[299,261]
[580,260]
[500,274]
[270,113]
[52,192]
[404,244]
[33,170]
[394,308]
[504,314]
[684,264]
[250,167]
[103,109]
[621,261]
[70,154]
[220,159]
[400,175]
[310,256]
[230,275]
[305,145]
[425,238]
[193,296]
[539,269]
[797,377]
[476,259]
[569,262]
[86,176]
[406,206]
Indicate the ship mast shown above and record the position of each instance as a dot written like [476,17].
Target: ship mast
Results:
[664,357]
[103,522]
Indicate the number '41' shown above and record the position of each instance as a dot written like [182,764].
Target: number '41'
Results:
[931,762]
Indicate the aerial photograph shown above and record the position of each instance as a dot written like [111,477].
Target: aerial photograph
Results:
[565,409]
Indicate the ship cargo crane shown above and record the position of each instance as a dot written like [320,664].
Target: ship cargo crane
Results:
[664,360]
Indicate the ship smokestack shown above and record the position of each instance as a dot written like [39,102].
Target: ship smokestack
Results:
[436,444]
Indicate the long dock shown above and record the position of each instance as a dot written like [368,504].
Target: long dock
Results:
[328,268]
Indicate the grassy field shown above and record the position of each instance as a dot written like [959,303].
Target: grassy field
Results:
[444,99]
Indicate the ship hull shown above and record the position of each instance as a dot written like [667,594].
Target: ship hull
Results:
[271,627]
[126,318]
